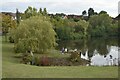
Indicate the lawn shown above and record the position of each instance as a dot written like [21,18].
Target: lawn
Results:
[11,68]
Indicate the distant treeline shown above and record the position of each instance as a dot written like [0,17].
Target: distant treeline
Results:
[67,27]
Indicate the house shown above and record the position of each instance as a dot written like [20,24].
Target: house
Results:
[74,16]
[64,17]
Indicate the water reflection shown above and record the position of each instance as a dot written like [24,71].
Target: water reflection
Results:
[110,59]
[98,50]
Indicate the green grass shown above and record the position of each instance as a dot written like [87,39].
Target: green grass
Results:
[11,68]
[53,53]
[21,70]
[0,57]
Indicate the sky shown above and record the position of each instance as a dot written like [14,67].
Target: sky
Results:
[62,6]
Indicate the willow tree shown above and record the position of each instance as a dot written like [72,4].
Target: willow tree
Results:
[34,35]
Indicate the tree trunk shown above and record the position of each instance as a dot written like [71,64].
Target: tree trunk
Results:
[31,53]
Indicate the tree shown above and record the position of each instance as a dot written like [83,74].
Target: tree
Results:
[90,12]
[7,24]
[44,11]
[99,24]
[40,11]
[34,35]
[82,27]
[103,12]
[95,13]
[34,11]
[30,12]
[17,16]
[65,32]
[84,13]
[113,29]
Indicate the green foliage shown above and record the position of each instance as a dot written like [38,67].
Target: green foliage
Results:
[65,33]
[82,26]
[40,11]
[90,12]
[100,25]
[7,24]
[27,58]
[113,29]
[11,40]
[96,24]
[44,11]
[34,34]
[103,12]
[29,12]
[68,29]
[37,61]
[75,56]
[84,13]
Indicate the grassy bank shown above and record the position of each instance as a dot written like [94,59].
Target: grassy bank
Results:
[13,69]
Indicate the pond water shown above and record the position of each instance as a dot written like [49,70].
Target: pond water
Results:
[99,51]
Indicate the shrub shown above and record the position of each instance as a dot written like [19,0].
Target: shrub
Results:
[75,56]
[37,61]
[27,58]
[59,61]
[45,61]
[11,40]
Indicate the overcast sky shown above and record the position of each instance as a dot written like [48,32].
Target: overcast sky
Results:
[62,6]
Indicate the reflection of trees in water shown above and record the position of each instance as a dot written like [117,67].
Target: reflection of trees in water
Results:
[91,47]
[70,44]
[113,42]
[99,44]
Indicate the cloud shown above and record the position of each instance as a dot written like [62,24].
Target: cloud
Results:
[119,7]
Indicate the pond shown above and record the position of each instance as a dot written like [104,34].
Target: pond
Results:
[100,51]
